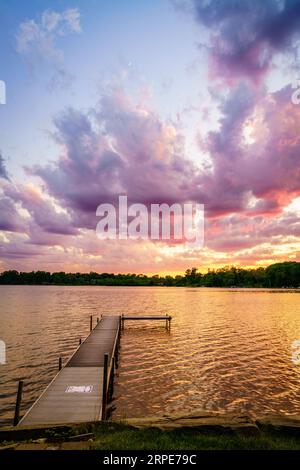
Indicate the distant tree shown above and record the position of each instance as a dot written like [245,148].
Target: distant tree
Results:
[286,274]
[10,277]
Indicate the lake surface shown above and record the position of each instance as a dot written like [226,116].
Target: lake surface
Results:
[227,350]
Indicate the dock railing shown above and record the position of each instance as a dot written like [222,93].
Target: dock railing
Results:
[166,318]
[110,363]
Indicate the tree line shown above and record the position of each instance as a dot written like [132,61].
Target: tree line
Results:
[285,274]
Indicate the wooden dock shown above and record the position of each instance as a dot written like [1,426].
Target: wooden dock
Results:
[77,392]
[80,390]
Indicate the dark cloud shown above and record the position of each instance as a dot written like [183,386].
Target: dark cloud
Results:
[245,34]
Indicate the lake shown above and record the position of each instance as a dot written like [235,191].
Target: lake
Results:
[228,349]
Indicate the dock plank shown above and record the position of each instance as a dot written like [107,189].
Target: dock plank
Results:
[101,341]
[57,405]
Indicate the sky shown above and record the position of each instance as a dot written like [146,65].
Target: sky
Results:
[168,101]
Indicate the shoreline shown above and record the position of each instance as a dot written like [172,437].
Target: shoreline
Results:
[200,429]
[297,289]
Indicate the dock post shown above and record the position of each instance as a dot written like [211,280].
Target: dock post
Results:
[118,345]
[91,322]
[111,381]
[79,341]
[59,363]
[18,403]
[104,391]
[119,332]
[117,358]
[123,321]
[97,319]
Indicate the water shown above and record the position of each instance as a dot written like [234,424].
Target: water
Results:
[227,350]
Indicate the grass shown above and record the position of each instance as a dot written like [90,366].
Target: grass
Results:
[121,437]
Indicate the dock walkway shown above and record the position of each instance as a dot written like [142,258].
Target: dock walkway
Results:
[76,393]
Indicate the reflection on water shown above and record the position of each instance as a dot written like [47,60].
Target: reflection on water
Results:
[227,349]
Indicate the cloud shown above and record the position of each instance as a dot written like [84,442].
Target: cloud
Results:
[115,148]
[3,172]
[245,35]
[119,147]
[67,21]
[238,232]
[42,211]
[37,41]
[61,79]
[254,154]
[16,250]
[39,36]
[10,220]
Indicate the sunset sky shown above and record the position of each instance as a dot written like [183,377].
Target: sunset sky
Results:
[162,101]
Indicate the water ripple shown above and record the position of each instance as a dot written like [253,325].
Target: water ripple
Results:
[227,350]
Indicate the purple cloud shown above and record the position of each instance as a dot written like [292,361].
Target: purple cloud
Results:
[10,221]
[115,149]
[245,34]
[41,210]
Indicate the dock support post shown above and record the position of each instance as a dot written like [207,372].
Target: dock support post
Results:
[104,391]
[59,363]
[111,381]
[117,354]
[117,357]
[118,346]
[79,341]
[123,321]
[97,319]
[18,403]
[91,322]
[119,332]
